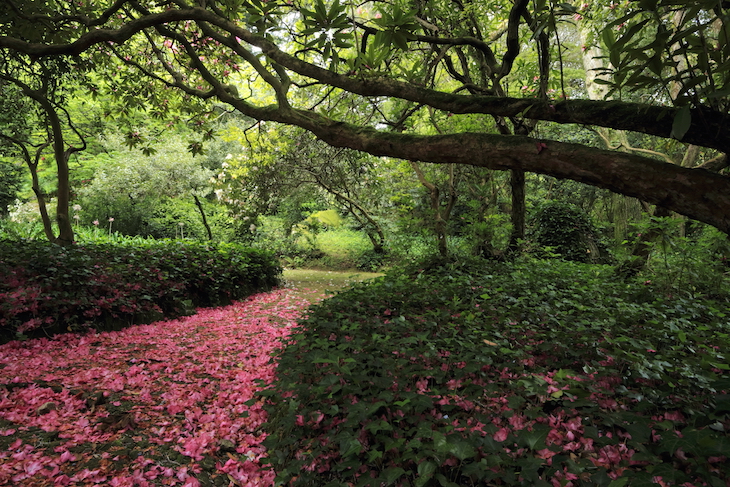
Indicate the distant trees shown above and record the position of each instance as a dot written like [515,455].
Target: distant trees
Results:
[160,194]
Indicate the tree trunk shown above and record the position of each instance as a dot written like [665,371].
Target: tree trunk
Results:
[65,229]
[517,186]
[692,192]
[61,155]
[40,198]
[202,215]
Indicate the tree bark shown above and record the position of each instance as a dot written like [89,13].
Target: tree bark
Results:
[692,192]
[517,186]
[697,193]
[61,156]
[202,215]
[709,127]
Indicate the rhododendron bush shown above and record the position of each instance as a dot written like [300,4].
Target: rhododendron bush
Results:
[532,373]
[168,403]
[47,289]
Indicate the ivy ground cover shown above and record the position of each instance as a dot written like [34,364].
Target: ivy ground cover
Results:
[535,373]
[168,403]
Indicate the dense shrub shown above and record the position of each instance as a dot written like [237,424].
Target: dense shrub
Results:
[528,373]
[568,231]
[47,288]
[696,265]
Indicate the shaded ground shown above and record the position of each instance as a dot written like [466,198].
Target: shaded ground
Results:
[160,404]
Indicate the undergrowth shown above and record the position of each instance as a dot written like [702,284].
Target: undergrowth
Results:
[532,373]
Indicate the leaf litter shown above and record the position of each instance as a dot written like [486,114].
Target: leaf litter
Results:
[167,403]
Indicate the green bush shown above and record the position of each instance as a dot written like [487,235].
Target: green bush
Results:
[566,230]
[370,260]
[12,230]
[526,373]
[45,288]
[691,266]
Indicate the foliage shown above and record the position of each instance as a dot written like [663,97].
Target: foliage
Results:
[429,83]
[567,231]
[13,230]
[693,266]
[51,289]
[371,260]
[10,184]
[639,37]
[284,167]
[150,194]
[529,373]
[272,233]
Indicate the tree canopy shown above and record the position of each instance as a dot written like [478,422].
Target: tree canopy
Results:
[438,81]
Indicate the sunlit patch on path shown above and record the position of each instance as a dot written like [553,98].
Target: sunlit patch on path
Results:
[158,404]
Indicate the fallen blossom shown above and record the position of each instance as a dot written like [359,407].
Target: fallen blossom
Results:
[182,385]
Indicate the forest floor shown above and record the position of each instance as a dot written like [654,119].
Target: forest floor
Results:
[167,403]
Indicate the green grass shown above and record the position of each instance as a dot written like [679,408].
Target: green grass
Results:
[311,283]
[343,243]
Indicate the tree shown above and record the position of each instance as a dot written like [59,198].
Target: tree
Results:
[279,160]
[304,63]
[38,95]
[148,193]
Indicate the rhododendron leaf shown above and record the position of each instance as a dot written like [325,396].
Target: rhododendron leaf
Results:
[462,450]
[638,431]
[445,482]
[619,482]
[440,443]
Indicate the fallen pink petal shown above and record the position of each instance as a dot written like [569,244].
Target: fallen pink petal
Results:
[149,405]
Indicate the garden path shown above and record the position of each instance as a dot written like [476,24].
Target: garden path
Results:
[169,403]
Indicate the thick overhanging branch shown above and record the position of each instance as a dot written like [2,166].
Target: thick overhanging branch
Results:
[100,36]
[709,127]
[696,193]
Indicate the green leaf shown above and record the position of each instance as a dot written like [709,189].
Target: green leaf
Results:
[462,450]
[534,439]
[426,469]
[400,40]
[440,443]
[392,474]
[619,482]
[648,5]
[608,37]
[348,446]
[682,122]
